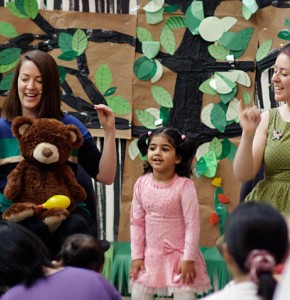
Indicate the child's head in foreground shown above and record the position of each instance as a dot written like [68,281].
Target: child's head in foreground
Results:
[84,251]
[256,240]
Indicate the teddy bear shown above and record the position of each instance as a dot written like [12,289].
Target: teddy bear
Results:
[46,146]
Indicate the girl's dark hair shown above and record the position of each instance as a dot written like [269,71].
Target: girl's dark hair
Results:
[257,226]
[185,148]
[51,93]
[83,251]
[22,255]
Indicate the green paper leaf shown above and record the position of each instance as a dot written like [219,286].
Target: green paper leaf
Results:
[110,91]
[150,49]
[162,96]
[7,30]
[222,212]
[228,22]
[103,78]
[175,22]
[211,29]
[154,5]
[206,115]
[218,51]
[6,68]
[264,50]
[220,85]
[68,55]
[206,88]
[232,153]
[232,113]
[284,34]
[167,40]
[246,35]
[218,118]
[133,149]
[246,12]
[9,55]
[287,23]
[171,8]
[164,114]
[154,17]
[79,41]
[6,82]
[62,73]
[226,148]
[144,158]
[247,98]
[31,8]
[200,167]
[155,112]
[211,163]
[226,98]
[144,68]
[19,4]
[202,150]
[12,8]
[226,79]
[193,16]
[119,105]
[159,71]
[243,78]
[144,35]
[216,146]
[65,42]
[145,118]
[232,40]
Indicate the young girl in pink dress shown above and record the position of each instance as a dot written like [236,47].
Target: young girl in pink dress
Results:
[164,220]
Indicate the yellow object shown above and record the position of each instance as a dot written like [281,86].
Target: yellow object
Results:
[217,181]
[56,201]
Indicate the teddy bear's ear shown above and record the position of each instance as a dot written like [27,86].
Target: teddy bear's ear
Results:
[76,137]
[20,124]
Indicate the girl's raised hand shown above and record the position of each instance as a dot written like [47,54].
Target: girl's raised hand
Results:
[249,117]
[136,266]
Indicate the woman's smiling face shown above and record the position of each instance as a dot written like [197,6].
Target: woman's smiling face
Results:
[29,88]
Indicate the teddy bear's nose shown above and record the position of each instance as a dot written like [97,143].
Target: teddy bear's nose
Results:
[46,152]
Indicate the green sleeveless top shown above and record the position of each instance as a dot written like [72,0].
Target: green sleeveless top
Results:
[274,189]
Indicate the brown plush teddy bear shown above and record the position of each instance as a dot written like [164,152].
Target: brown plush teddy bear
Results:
[46,145]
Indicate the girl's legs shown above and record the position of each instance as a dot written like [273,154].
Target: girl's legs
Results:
[137,294]
[184,296]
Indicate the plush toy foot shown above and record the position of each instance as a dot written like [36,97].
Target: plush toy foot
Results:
[54,217]
[18,212]
[53,222]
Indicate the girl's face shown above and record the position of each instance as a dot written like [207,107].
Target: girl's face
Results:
[29,88]
[281,78]
[162,155]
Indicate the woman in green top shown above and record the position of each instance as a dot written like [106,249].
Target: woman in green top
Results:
[266,141]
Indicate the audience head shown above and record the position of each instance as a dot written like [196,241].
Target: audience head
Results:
[256,237]
[83,251]
[184,147]
[23,256]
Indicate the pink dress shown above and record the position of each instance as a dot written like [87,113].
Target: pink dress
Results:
[165,231]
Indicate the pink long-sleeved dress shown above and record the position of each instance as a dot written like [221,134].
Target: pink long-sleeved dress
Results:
[164,231]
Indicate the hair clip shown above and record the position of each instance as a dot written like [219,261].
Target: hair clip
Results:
[149,133]
[183,137]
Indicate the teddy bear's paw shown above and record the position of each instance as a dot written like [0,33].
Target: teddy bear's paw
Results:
[53,222]
[19,212]
[54,217]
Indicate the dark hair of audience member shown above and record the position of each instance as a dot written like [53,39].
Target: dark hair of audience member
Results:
[83,251]
[257,226]
[23,255]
